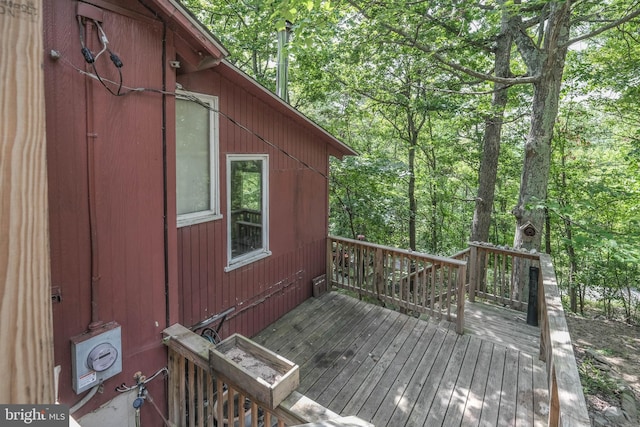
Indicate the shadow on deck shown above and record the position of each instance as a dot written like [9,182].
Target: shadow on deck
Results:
[391,369]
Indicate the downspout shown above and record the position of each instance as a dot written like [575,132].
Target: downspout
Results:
[92,138]
[282,70]
[165,208]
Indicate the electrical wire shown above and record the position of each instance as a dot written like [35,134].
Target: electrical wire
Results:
[186,95]
[91,59]
[193,98]
[123,388]
[114,59]
[87,397]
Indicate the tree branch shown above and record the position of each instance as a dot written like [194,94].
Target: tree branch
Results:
[412,42]
[604,28]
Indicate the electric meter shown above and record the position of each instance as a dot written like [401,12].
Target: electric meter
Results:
[96,355]
[102,357]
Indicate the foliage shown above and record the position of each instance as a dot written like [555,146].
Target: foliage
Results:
[391,79]
[595,381]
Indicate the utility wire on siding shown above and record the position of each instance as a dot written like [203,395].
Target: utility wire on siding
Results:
[130,90]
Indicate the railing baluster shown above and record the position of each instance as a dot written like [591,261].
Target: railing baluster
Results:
[433,289]
[231,407]
[241,409]
[220,406]
[473,273]
[210,398]
[191,392]
[199,397]
[408,280]
[513,283]
[446,271]
[254,414]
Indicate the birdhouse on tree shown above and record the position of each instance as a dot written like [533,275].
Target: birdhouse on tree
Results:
[529,231]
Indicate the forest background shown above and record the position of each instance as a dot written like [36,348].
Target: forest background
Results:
[472,119]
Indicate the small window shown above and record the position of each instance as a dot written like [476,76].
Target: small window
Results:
[247,189]
[197,197]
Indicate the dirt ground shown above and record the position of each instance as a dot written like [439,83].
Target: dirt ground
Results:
[608,356]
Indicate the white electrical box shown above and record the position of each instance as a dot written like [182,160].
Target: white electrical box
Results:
[96,356]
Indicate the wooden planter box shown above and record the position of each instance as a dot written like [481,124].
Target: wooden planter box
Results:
[262,374]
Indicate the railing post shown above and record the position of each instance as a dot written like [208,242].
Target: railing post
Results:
[473,272]
[329,263]
[462,274]
[532,306]
[379,269]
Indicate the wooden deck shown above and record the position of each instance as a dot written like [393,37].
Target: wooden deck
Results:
[396,370]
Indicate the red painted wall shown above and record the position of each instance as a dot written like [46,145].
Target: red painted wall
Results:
[126,135]
[150,274]
[262,291]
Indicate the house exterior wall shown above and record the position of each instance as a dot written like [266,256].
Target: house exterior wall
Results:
[266,289]
[127,222]
[112,202]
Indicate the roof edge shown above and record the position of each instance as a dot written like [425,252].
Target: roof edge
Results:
[339,147]
[189,22]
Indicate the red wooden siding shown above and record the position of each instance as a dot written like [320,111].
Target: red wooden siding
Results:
[126,134]
[266,289]
[150,273]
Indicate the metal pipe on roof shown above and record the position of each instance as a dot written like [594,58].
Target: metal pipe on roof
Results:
[282,71]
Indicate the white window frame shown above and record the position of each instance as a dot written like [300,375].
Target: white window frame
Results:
[213,212]
[253,256]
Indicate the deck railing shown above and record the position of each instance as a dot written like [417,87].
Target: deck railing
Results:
[200,396]
[409,281]
[429,284]
[500,274]
[567,406]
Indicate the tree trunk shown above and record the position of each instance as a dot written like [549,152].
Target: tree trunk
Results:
[413,204]
[548,63]
[492,135]
[568,234]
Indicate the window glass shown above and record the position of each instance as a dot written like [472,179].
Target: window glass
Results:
[196,160]
[247,206]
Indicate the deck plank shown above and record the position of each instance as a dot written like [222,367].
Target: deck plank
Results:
[392,369]
[339,337]
[293,325]
[287,334]
[431,339]
[333,353]
[405,339]
[525,401]
[443,393]
[492,394]
[423,386]
[540,394]
[496,324]
[455,411]
[345,386]
[509,392]
[304,349]
[339,372]
[475,400]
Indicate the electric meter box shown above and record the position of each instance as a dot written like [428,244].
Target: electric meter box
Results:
[96,356]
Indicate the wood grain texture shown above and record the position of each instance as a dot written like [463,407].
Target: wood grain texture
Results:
[394,370]
[26,355]
[568,406]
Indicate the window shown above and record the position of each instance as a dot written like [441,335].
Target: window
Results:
[247,189]
[197,197]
